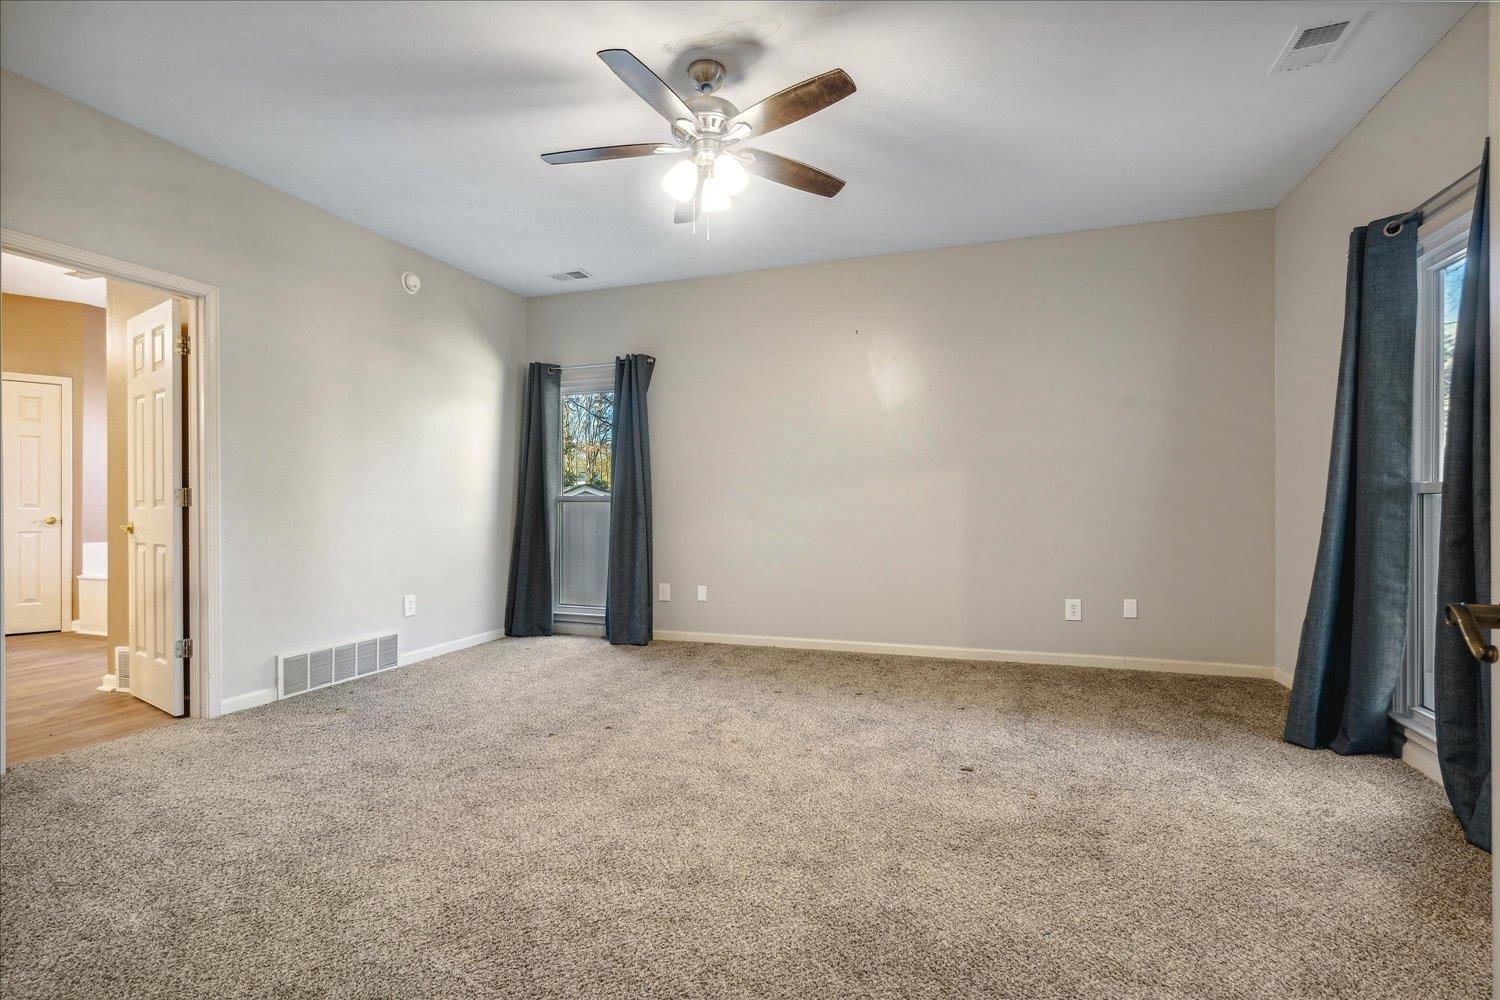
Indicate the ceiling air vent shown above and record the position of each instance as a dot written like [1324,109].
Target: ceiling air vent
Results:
[1315,44]
[571,275]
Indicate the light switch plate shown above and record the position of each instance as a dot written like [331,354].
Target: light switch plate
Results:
[1073,609]
[409,605]
[663,591]
[702,592]
[1130,611]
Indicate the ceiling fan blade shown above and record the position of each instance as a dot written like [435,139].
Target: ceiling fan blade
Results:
[792,174]
[647,85]
[602,153]
[796,102]
[687,211]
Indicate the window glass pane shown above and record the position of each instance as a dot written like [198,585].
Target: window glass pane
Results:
[1451,283]
[583,540]
[588,420]
[1429,513]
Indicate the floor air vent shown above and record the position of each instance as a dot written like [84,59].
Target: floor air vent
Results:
[298,673]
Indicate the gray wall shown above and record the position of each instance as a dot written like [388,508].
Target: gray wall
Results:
[939,447]
[367,446]
[1428,130]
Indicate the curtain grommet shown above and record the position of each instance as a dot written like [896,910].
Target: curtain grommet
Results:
[1393,228]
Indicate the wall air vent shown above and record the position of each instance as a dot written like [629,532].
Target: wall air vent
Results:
[571,275]
[122,668]
[298,673]
[1316,44]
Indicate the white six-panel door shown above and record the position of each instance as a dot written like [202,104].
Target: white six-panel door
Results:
[153,535]
[31,426]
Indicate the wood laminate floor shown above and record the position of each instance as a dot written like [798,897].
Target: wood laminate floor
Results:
[52,701]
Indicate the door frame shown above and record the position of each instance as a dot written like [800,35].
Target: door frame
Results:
[203,620]
[67,570]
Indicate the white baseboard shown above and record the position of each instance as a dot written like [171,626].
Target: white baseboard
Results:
[427,653]
[1281,677]
[1207,667]
[78,627]
[1421,753]
[251,699]
[254,699]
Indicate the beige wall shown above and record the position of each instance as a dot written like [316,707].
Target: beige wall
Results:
[939,447]
[1427,131]
[50,337]
[367,449]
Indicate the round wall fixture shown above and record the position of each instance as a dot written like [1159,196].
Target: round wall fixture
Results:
[410,282]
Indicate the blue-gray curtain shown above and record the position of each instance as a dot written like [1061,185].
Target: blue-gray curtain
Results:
[627,601]
[528,603]
[1354,635]
[1462,683]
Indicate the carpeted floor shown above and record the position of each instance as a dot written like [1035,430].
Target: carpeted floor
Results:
[559,818]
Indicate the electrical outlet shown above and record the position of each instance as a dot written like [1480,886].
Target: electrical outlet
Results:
[663,591]
[702,592]
[409,605]
[1073,609]
[1130,611]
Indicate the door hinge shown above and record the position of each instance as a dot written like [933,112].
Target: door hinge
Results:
[184,496]
[184,649]
[184,346]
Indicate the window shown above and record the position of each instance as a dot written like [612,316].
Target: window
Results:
[1440,276]
[582,538]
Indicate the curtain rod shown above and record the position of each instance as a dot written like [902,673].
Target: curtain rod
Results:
[555,369]
[1393,228]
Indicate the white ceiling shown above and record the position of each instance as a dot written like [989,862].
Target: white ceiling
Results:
[973,122]
[24,276]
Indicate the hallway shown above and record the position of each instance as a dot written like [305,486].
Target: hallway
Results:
[52,701]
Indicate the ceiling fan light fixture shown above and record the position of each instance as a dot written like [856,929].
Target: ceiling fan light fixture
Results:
[729,174]
[681,180]
[715,198]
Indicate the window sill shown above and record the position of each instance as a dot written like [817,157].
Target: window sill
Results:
[1417,725]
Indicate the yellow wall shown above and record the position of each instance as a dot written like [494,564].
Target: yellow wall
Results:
[50,337]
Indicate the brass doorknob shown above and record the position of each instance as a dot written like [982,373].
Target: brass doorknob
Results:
[128,528]
[50,520]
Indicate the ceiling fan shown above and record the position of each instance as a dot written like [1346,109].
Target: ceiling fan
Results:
[708,130]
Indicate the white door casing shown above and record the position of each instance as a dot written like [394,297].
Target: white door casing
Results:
[37,460]
[153,534]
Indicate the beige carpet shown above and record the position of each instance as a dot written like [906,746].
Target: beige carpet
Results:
[557,818]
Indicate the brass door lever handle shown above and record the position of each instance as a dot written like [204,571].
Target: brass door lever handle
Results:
[1471,620]
[128,528]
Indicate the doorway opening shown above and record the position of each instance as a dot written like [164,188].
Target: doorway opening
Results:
[100,423]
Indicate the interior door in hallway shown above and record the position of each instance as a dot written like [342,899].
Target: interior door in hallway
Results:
[31,425]
[153,535]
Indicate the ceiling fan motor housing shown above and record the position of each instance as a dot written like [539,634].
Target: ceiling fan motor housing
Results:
[707,74]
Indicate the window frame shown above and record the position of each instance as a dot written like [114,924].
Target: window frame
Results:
[1438,251]
[576,381]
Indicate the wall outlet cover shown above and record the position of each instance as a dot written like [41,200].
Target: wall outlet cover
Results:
[409,605]
[702,592]
[1073,609]
[663,591]
[1130,608]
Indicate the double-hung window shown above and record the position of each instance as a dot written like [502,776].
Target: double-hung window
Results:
[1440,277]
[581,555]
